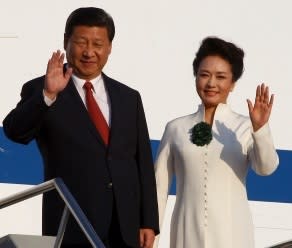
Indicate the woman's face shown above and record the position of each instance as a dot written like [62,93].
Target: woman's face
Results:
[214,80]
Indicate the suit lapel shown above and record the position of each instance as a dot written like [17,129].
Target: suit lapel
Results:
[76,102]
[115,101]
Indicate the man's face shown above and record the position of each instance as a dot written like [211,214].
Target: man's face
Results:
[87,50]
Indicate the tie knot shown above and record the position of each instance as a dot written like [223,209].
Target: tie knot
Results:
[88,85]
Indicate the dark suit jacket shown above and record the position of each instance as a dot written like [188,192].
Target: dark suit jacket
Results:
[72,149]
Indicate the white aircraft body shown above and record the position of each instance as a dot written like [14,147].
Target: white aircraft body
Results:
[153,50]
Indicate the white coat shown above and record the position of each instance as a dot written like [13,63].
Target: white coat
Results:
[211,209]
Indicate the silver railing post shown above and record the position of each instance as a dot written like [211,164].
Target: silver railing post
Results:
[62,227]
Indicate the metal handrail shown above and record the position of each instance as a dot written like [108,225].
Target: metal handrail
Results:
[286,244]
[70,204]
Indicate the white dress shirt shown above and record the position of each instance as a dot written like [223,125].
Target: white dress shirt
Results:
[99,93]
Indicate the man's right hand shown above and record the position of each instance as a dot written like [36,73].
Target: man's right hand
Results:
[55,79]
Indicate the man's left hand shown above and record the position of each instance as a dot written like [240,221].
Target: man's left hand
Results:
[147,237]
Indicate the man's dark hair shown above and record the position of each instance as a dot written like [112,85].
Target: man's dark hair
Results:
[90,16]
[213,46]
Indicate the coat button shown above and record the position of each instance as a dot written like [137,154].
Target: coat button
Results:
[110,185]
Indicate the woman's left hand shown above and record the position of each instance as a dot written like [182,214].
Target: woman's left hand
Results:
[260,112]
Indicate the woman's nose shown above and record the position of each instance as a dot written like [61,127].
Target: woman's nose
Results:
[211,82]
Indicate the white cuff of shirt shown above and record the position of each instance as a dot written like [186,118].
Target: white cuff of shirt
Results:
[47,100]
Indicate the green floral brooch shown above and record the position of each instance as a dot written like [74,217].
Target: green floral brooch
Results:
[201,134]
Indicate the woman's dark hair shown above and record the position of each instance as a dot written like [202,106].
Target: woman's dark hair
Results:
[228,51]
[91,17]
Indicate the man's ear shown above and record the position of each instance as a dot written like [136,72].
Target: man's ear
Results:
[110,48]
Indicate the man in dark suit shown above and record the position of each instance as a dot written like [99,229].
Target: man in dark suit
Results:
[112,179]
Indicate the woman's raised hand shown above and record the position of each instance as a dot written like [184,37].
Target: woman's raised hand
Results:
[260,112]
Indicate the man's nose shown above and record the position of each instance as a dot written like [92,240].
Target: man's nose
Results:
[88,51]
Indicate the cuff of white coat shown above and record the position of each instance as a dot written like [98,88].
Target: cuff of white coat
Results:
[264,143]
[263,131]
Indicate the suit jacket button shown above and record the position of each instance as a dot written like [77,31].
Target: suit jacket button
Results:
[110,185]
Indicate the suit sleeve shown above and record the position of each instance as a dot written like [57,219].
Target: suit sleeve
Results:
[22,123]
[149,208]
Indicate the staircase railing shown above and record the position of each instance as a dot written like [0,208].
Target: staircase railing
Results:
[71,206]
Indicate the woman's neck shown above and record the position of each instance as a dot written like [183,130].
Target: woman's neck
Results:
[209,114]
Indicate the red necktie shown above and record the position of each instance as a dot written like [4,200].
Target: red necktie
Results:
[95,113]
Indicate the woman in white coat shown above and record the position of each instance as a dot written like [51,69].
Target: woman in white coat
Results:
[210,152]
